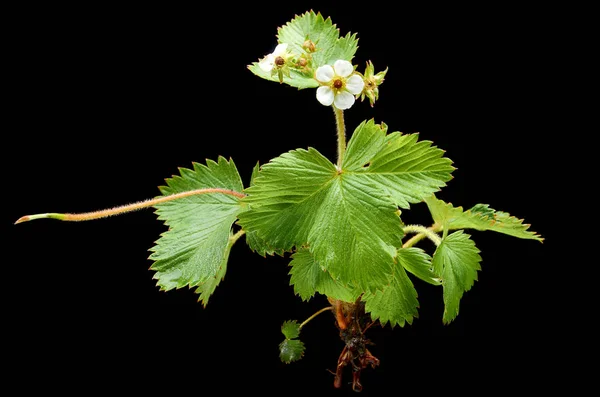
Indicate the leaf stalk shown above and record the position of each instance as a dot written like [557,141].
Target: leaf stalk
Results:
[422,232]
[87,216]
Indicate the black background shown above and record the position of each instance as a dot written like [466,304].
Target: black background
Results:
[110,101]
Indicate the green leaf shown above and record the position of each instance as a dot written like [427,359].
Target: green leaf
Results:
[456,260]
[397,303]
[481,217]
[312,26]
[329,48]
[417,262]
[194,250]
[400,166]
[291,329]
[301,199]
[291,350]
[308,277]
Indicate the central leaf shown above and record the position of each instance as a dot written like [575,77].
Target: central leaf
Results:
[301,199]
[347,218]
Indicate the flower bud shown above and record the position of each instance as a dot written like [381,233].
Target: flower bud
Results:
[308,46]
[372,83]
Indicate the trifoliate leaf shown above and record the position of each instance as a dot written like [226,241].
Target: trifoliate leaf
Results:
[308,277]
[323,33]
[397,303]
[194,250]
[300,199]
[417,262]
[407,170]
[480,217]
[291,350]
[291,329]
[456,260]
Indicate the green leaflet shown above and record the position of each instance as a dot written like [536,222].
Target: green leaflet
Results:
[348,219]
[418,263]
[480,217]
[397,303]
[290,329]
[308,277]
[330,47]
[456,260]
[291,350]
[195,249]
[404,168]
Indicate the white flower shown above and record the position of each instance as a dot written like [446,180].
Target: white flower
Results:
[340,84]
[268,62]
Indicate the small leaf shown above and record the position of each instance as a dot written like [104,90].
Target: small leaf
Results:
[291,329]
[456,260]
[291,350]
[194,250]
[481,217]
[397,303]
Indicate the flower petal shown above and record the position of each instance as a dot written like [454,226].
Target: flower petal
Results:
[355,84]
[343,68]
[280,49]
[325,95]
[344,100]
[267,63]
[325,74]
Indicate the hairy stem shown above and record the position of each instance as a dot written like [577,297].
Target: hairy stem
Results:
[341,135]
[87,216]
[422,232]
[314,315]
[236,236]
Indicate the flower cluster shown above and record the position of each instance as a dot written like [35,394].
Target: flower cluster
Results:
[339,84]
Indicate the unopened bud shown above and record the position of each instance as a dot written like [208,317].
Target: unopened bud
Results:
[309,46]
